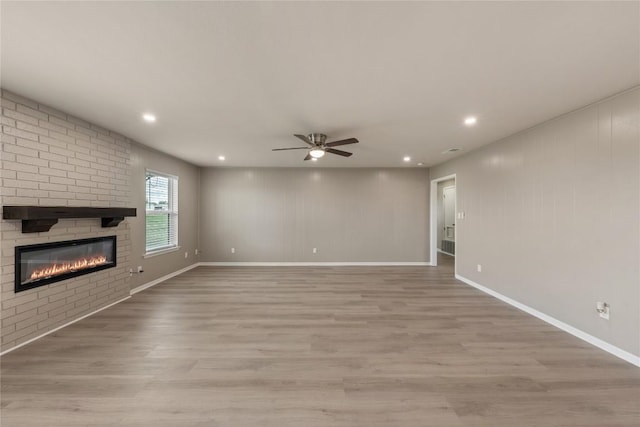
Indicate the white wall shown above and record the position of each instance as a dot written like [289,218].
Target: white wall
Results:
[552,214]
[349,215]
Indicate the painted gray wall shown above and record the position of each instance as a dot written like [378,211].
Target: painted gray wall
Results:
[552,214]
[143,158]
[441,187]
[350,215]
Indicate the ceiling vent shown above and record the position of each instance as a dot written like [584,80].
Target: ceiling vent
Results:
[451,150]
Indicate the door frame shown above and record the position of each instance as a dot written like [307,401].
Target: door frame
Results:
[433,229]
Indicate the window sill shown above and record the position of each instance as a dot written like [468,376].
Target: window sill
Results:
[161,252]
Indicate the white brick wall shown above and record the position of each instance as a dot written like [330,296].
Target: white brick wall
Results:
[48,158]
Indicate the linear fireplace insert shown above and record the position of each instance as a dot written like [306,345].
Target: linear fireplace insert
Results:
[42,264]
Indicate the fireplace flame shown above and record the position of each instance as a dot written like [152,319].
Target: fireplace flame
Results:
[67,267]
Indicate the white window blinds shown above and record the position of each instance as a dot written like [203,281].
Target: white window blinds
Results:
[161,192]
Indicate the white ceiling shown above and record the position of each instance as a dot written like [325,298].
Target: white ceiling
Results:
[237,78]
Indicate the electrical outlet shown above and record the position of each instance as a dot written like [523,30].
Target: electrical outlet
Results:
[479,268]
[315,250]
[233,250]
[186,254]
[196,252]
[603,309]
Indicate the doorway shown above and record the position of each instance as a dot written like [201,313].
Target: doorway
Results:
[447,217]
[443,220]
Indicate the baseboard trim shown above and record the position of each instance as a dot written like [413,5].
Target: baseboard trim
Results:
[64,326]
[309,264]
[603,345]
[162,279]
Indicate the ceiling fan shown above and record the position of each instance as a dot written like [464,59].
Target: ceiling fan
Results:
[318,147]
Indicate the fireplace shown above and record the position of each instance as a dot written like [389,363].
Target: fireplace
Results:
[38,265]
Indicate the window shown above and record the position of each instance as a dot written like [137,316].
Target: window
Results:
[161,211]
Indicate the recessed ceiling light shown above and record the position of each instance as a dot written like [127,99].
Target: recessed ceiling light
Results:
[407,159]
[149,118]
[420,164]
[221,158]
[470,121]
[314,159]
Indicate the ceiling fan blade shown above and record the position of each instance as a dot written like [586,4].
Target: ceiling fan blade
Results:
[308,157]
[294,148]
[305,139]
[342,142]
[338,152]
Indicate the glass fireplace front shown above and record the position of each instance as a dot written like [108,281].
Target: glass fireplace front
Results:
[42,264]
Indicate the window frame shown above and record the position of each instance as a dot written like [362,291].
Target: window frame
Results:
[172,212]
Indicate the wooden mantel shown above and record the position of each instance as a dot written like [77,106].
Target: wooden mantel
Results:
[41,218]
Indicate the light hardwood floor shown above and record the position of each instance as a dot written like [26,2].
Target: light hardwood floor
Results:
[332,346]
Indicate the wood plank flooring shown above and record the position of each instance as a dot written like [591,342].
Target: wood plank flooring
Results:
[331,346]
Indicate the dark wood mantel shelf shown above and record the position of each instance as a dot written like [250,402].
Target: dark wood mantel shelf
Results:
[42,218]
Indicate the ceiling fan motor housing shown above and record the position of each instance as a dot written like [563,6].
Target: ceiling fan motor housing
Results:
[318,138]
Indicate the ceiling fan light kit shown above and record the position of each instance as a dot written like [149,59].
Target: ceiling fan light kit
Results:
[318,146]
[316,152]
